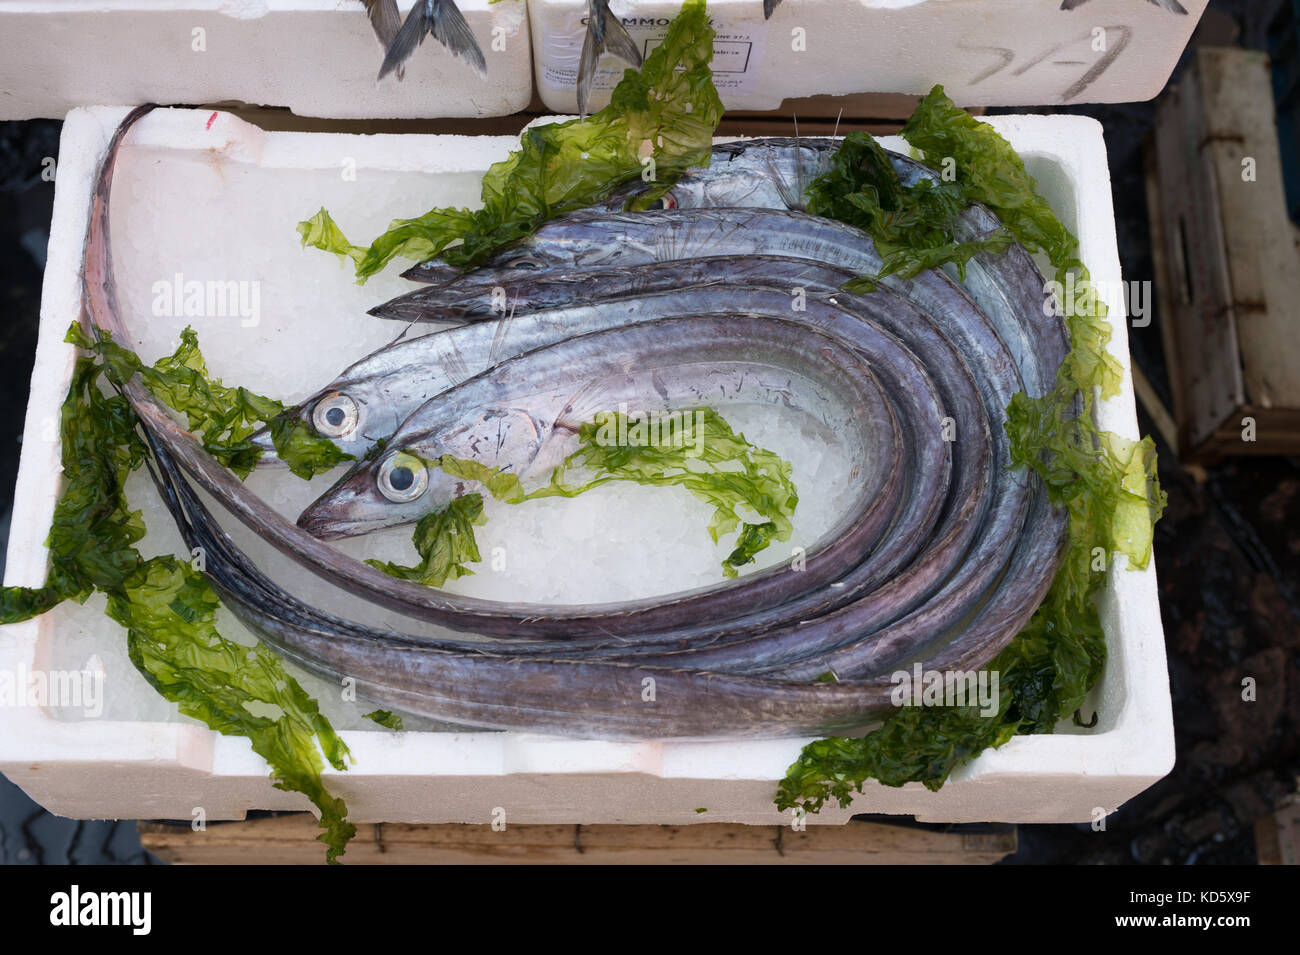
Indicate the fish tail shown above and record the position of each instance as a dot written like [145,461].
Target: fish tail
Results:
[385,20]
[450,29]
[768,7]
[444,20]
[99,307]
[619,42]
[605,34]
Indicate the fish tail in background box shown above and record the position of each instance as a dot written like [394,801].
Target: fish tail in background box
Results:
[144,760]
[317,57]
[984,52]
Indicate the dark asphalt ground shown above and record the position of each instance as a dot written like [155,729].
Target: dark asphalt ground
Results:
[1227,552]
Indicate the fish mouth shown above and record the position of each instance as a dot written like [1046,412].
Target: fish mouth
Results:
[433,272]
[321,519]
[322,526]
[330,516]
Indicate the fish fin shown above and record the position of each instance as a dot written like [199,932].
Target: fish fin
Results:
[385,20]
[450,29]
[619,42]
[410,36]
[1071,4]
[791,195]
[605,34]
[443,19]
[1173,6]
[768,7]
[551,452]
[586,70]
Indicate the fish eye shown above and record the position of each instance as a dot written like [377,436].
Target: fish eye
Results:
[335,415]
[403,478]
[666,201]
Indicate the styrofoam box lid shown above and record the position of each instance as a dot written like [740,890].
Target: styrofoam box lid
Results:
[317,57]
[164,768]
[984,52]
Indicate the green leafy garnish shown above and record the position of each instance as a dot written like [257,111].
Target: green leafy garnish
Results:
[386,718]
[167,607]
[694,449]
[988,170]
[222,418]
[911,225]
[304,451]
[445,542]
[168,610]
[697,450]
[666,112]
[93,532]
[1106,483]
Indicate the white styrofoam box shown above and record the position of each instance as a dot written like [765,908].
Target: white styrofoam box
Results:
[152,763]
[984,52]
[317,57]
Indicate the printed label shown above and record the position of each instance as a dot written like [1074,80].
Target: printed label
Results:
[737,55]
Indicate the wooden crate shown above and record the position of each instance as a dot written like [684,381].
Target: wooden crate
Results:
[1277,835]
[291,839]
[1227,262]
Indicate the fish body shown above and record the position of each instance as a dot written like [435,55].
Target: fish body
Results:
[581,671]
[768,173]
[442,19]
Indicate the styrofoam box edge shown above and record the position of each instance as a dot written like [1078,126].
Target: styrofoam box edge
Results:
[316,57]
[984,52]
[164,770]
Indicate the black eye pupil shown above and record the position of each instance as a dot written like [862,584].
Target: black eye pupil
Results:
[401,478]
[335,416]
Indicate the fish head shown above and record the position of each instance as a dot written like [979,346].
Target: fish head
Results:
[397,487]
[403,482]
[347,413]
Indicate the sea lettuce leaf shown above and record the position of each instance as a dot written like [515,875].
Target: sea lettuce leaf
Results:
[169,612]
[387,719]
[910,225]
[445,542]
[167,606]
[666,112]
[222,418]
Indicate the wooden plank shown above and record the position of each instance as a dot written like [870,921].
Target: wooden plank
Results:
[1160,415]
[1262,259]
[1277,836]
[1166,293]
[291,839]
[1227,263]
[1205,332]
